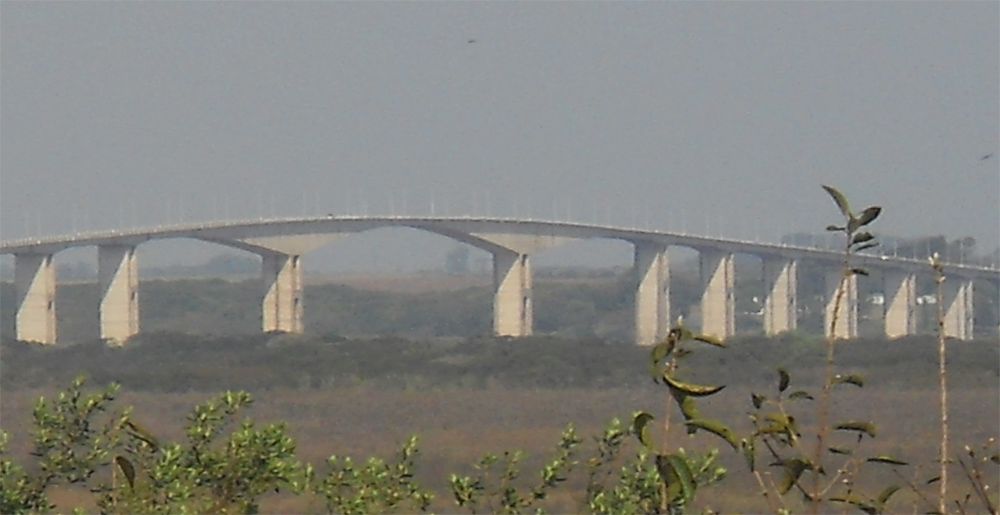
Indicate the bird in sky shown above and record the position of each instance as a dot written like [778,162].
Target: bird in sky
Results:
[987,156]
[472,40]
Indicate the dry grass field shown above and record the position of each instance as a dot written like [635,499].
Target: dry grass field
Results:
[457,427]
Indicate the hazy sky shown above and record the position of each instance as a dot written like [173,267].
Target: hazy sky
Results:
[701,115]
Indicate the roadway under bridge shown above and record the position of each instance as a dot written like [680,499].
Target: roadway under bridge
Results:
[282,242]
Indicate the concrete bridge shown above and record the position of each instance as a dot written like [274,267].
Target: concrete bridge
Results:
[282,242]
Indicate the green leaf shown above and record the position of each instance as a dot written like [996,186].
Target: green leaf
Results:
[800,394]
[835,228]
[859,271]
[862,237]
[695,390]
[678,477]
[141,433]
[855,379]
[860,427]
[866,246]
[783,379]
[886,459]
[793,471]
[710,339]
[869,215]
[786,422]
[716,428]
[661,350]
[934,479]
[863,504]
[127,469]
[884,495]
[841,201]
[840,450]
[749,453]
[688,406]
[757,400]
[640,426]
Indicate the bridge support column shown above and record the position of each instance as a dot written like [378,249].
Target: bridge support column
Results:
[780,295]
[958,310]
[900,303]
[118,278]
[282,305]
[718,281]
[512,309]
[652,293]
[847,314]
[35,282]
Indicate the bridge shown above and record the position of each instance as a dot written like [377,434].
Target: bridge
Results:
[511,241]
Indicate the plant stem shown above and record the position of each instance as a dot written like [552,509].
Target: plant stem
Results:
[943,376]
[824,409]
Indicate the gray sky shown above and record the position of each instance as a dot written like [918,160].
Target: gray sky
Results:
[717,116]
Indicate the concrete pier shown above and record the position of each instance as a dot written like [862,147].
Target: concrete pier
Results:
[652,293]
[847,314]
[35,282]
[718,282]
[118,279]
[512,309]
[282,303]
[780,295]
[900,303]
[958,310]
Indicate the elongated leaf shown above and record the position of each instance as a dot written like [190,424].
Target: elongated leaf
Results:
[862,237]
[749,453]
[710,339]
[840,450]
[640,426]
[793,471]
[934,479]
[688,406]
[800,394]
[716,428]
[783,379]
[886,459]
[661,350]
[835,228]
[142,434]
[841,201]
[866,246]
[863,504]
[860,427]
[884,495]
[656,371]
[680,481]
[868,215]
[771,429]
[757,400]
[127,470]
[860,271]
[855,379]
[695,390]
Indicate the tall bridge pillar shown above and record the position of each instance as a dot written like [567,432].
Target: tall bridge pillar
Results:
[900,303]
[847,311]
[780,295]
[652,293]
[281,275]
[718,281]
[118,278]
[512,309]
[958,310]
[35,282]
